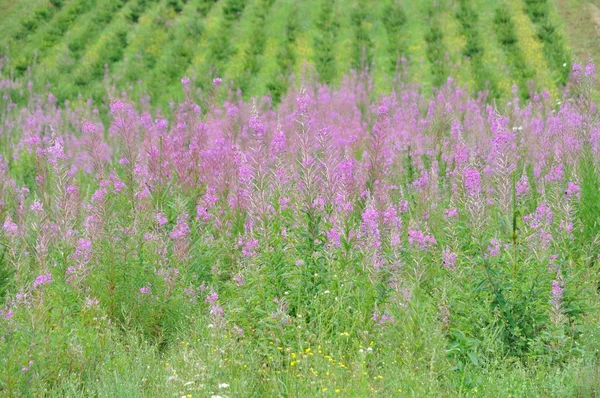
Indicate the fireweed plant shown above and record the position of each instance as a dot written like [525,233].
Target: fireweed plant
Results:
[427,245]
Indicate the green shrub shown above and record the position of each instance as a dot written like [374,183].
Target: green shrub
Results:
[232,10]
[436,53]
[394,18]
[286,58]
[324,42]
[362,46]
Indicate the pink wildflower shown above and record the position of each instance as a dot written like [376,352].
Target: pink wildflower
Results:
[42,280]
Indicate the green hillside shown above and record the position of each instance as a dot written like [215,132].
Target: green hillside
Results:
[256,44]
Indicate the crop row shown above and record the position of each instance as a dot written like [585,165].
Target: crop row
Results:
[38,17]
[162,46]
[394,20]
[548,32]
[286,57]
[362,46]
[220,48]
[507,38]
[250,52]
[327,30]
[437,52]
[256,44]
[45,38]
[474,49]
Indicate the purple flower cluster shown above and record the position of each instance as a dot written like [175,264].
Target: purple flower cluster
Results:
[170,205]
[420,240]
[42,280]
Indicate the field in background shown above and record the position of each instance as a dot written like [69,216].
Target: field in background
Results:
[148,45]
[582,24]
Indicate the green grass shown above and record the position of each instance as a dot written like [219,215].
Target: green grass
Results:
[581,22]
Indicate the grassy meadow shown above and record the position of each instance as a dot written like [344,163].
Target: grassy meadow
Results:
[278,198]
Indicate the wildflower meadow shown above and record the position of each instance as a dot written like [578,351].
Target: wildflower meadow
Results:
[276,198]
[341,243]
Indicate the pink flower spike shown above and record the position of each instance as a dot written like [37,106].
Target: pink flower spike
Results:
[162,220]
[42,280]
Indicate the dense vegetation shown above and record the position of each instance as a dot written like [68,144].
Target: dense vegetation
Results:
[296,198]
[148,45]
[401,245]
